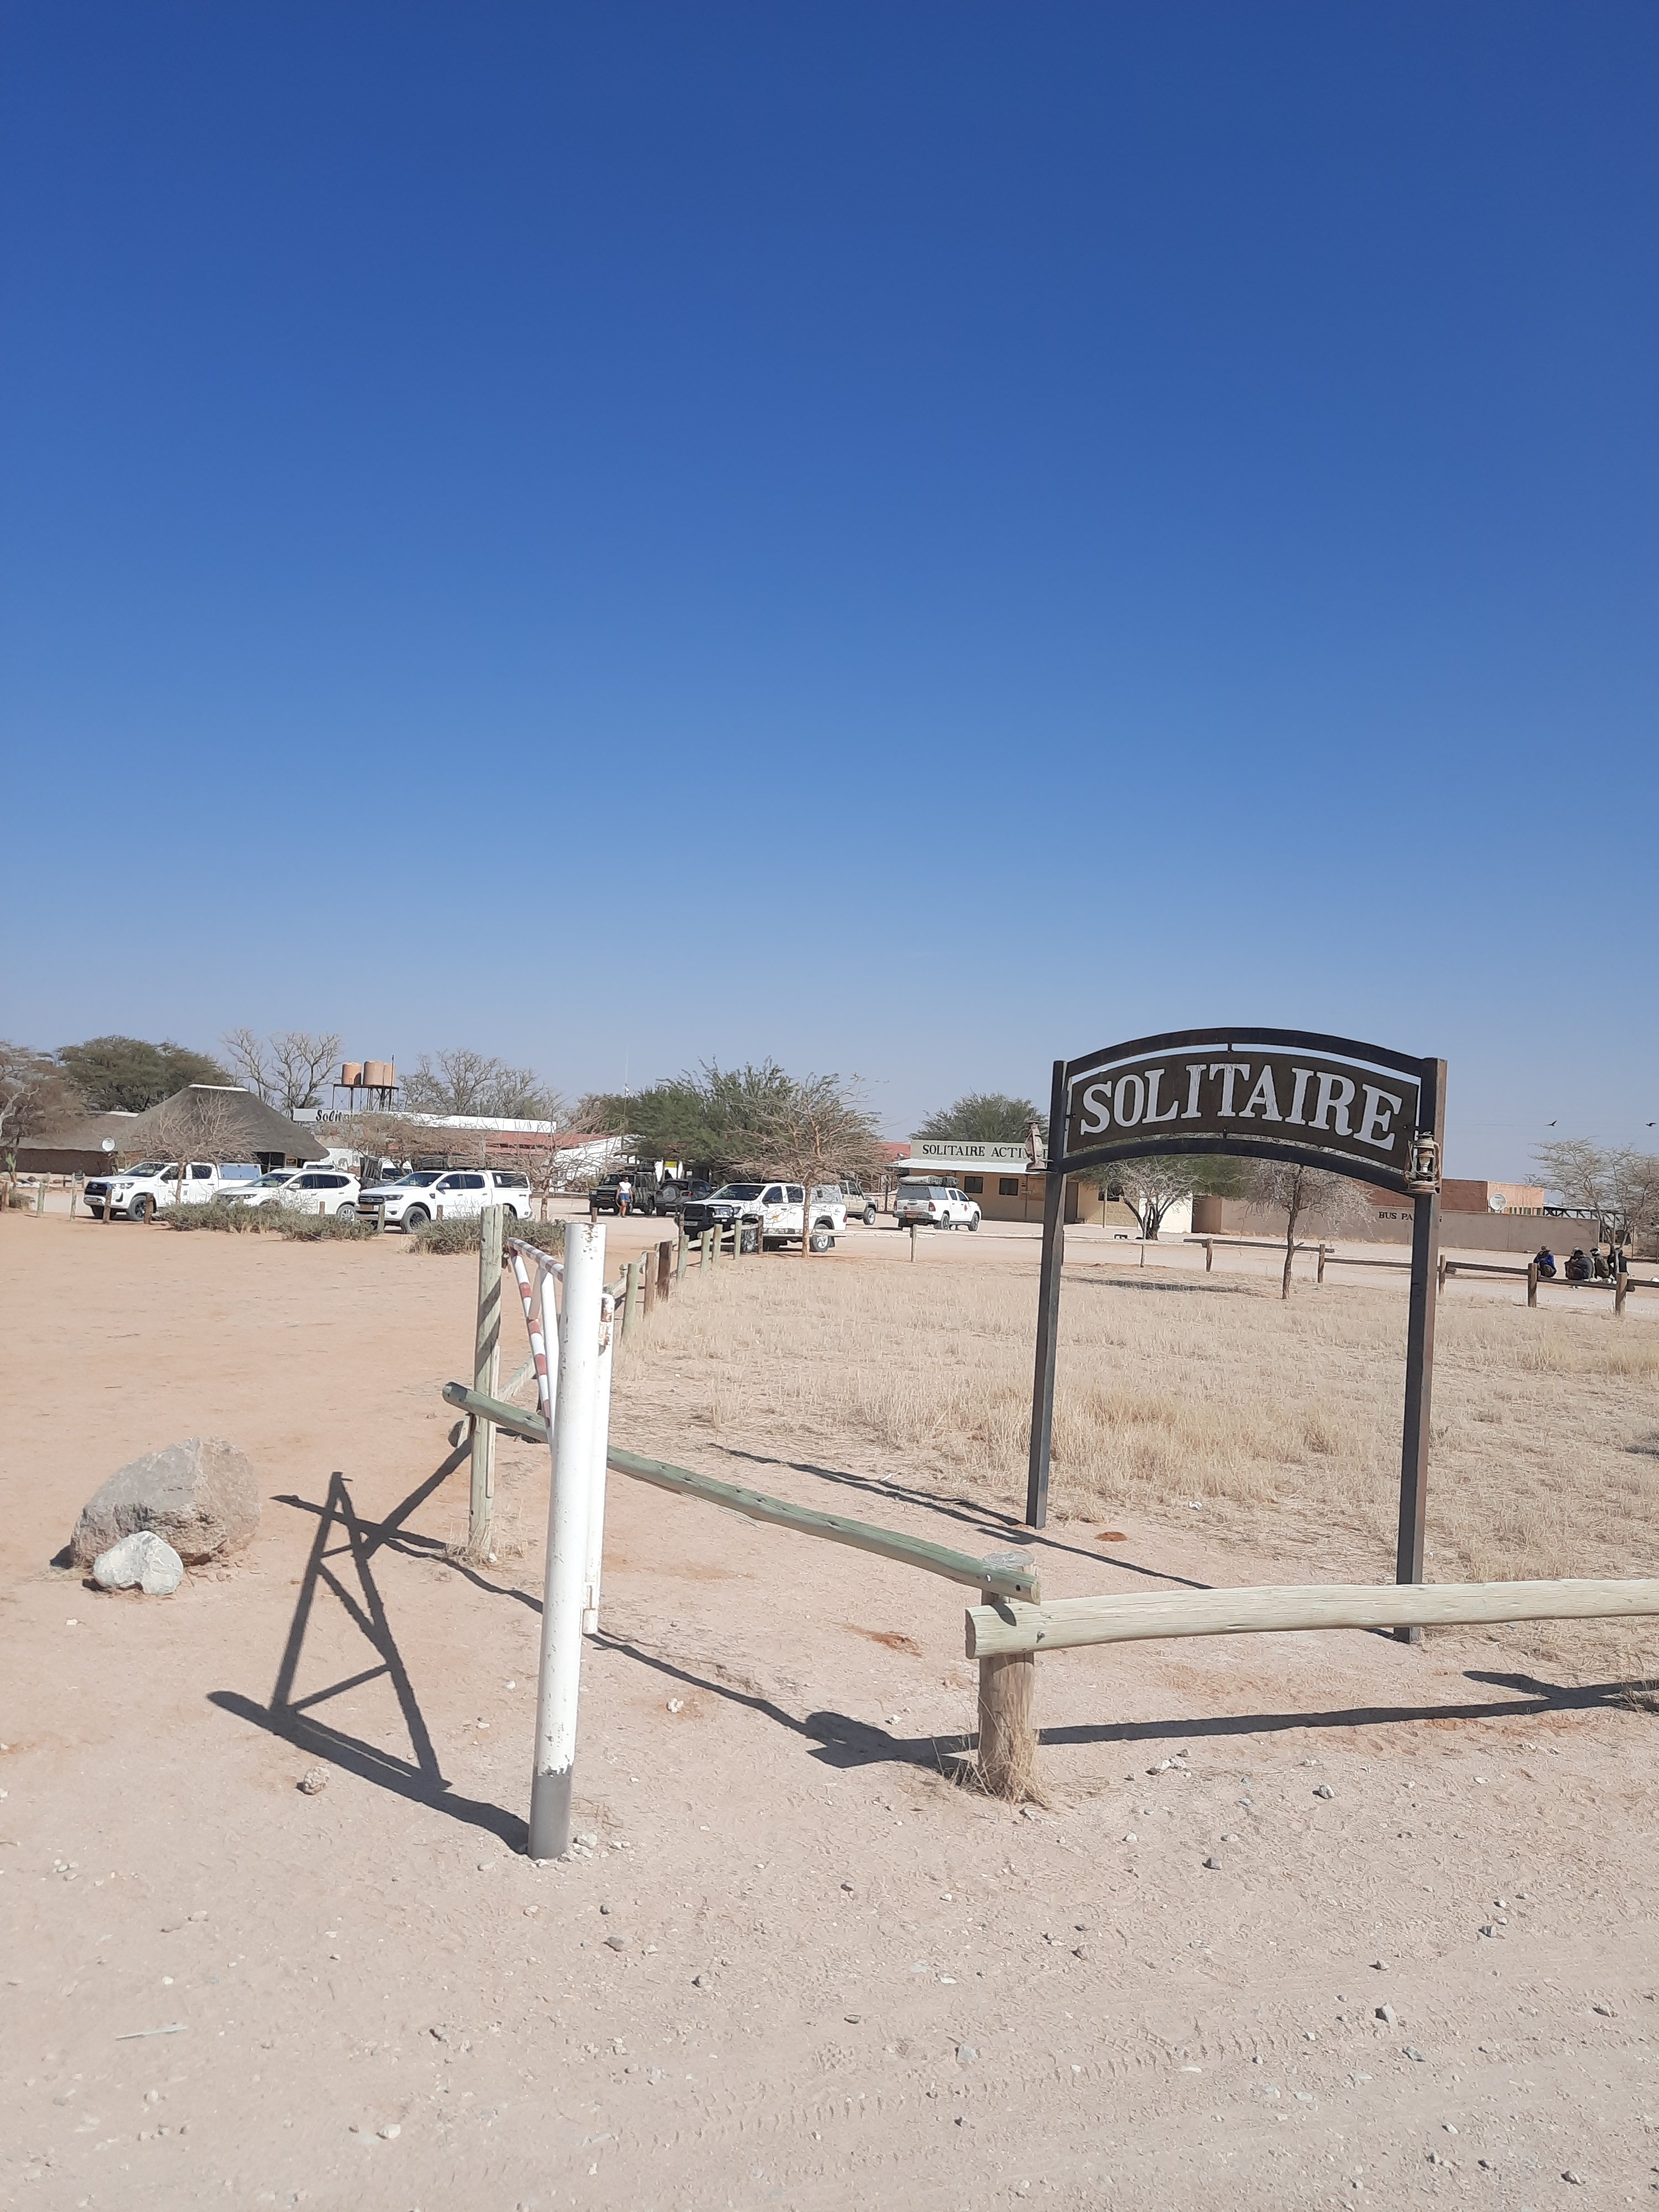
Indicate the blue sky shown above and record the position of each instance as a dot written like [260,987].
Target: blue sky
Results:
[911,538]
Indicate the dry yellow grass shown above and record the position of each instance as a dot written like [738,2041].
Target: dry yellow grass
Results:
[1282,1420]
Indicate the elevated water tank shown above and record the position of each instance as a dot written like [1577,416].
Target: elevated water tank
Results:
[351,1074]
[379,1074]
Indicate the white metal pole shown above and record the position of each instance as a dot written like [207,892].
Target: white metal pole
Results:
[601,1445]
[572,1448]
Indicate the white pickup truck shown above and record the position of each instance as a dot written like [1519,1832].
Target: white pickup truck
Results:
[140,1192]
[774,1207]
[447,1194]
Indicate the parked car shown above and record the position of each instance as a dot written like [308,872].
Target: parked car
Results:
[448,1194]
[934,1205]
[673,1197]
[776,1209]
[642,1192]
[860,1206]
[139,1193]
[309,1190]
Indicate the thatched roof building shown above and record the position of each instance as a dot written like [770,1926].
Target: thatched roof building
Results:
[205,1121]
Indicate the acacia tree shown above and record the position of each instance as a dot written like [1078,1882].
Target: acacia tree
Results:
[985,1117]
[1305,1195]
[467,1082]
[34,1093]
[811,1130]
[1618,1183]
[1150,1187]
[200,1123]
[125,1074]
[285,1069]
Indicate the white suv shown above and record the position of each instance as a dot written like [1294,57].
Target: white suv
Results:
[934,1205]
[446,1193]
[309,1190]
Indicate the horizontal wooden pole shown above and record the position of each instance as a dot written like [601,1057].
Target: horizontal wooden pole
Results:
[1008,1581]
[1014,1625]
[1014,1581]
[514,1419]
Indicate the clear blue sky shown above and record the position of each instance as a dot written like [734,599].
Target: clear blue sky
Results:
[910,537]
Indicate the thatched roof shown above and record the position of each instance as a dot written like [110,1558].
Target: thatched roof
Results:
[244,1128]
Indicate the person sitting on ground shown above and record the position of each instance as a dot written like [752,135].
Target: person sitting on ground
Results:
[1544,1261]
[1578,1267]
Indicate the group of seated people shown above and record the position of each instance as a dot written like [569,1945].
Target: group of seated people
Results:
[1592,1267]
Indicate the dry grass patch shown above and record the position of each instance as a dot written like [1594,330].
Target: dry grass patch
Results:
[1280,1420]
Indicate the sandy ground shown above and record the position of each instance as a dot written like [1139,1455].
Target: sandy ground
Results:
[796,1964]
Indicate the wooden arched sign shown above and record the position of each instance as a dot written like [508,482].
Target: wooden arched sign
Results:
[1329,1101]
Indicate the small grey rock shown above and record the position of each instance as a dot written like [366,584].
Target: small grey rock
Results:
[702,1981]
[1413,2053]
[314,1779]
[1387,2015]
[966,2054]
[143,1561]
[1605,2011]
[1215,1865]
[1577,2180]
[1323,1789]
[202,1496]
[615,1943]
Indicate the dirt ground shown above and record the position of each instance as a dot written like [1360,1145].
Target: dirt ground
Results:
[1308,1921]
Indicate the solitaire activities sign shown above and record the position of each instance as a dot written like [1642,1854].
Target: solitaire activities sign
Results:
[1323,1101]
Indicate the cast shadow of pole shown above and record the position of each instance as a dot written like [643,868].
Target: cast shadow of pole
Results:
[417,1777]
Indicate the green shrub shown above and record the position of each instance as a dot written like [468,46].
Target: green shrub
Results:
[267,1221]
[463,1236]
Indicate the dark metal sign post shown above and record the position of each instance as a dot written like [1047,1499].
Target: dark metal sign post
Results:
[1324,1102]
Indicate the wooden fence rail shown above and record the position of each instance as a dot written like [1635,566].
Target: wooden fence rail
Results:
[1063,1623]
[989,1574]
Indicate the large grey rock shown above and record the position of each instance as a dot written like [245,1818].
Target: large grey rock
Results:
[201,1495]
[145,1560]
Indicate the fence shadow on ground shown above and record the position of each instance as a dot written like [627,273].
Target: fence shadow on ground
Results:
[341,1555]
[983,1520]
[1539,1698]
[839,1740]
[843,1742]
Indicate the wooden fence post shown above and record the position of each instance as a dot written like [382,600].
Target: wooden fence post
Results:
[486,1368]
[664,1269]
[1319,1277]
[647,1284]
[1532,1282]
[1209,1255]
[630,1295]
[1621,1288]
[1007,1700]
[682,1248]
[1444,1264]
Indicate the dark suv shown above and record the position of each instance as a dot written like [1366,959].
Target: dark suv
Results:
[674,1197]
[643,1187]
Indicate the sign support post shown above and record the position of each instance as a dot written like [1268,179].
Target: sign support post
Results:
[1047,1329]
[1419,1344]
